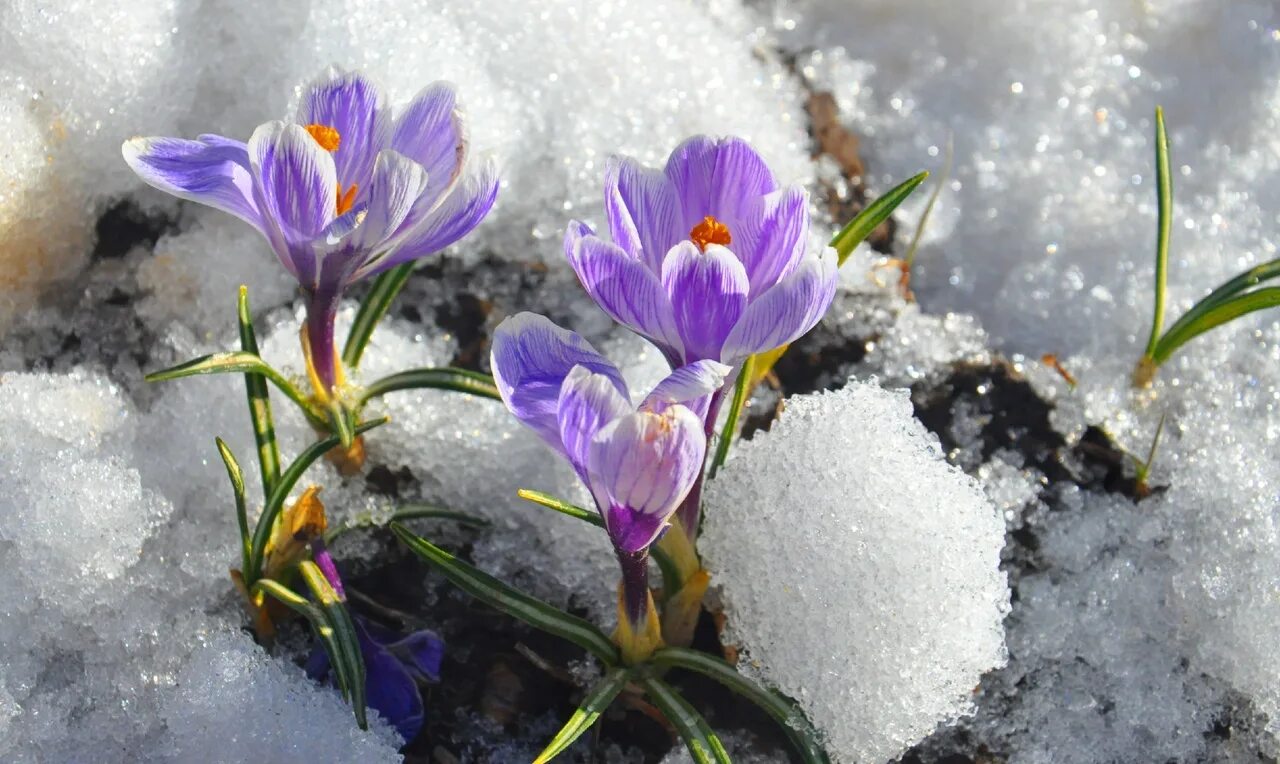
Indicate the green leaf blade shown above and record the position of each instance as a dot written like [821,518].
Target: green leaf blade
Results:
[561,506]
[236,475]
[502,597]
[264,431]
[741,390]
[239,362]
[698,737]
[446,378]
[1201,319]
[783,710]
[372,309]
[872,216]
[1164,223]
[594,704]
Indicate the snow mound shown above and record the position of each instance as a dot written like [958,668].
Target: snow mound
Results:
[860,573]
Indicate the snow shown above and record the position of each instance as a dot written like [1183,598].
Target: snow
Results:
[1139,630]
[859,571]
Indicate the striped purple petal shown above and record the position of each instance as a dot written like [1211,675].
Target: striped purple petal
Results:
[211,170]
[772,237]
[786,311]
[624,287]
[718,178]
[641,467]
[432,131]
[690,386]
[459,214]
[352,105]
[645,218]
[530,358]
[708,293]
[587,402]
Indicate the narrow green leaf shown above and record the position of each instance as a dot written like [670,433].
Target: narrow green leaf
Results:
[909,258]
[873,215]
[408,512]
[783,710]
[670,573]
[1216,315]
[372,309]
[588,712]
[264,431]
[703,745]
[290,477]
[458,380]
[561,506]
[342,424]
[289,598]
[1164,222]
[740,392]
[237,485]
[348,662]
[240,362]
[498,595]
[1229,289]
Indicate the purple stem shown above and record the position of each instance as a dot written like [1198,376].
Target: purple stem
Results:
[690,510]
[322,313]
[324,561]
[635,586]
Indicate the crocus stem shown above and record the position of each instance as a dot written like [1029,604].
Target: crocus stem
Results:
[639,631]
[322,352]
[635,584]
[690,511]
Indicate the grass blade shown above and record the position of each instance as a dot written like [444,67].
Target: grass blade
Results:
[1201,319]
[783,710]
[290,477]
[1164,221]
[873,215]
[740,392]
[588,712]
[703,745]
[498,595]
[458,380]
[240,362]
[264,431]
[372,309]
[237,485]
[909,258]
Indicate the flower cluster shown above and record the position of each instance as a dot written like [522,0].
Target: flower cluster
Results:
[709,258]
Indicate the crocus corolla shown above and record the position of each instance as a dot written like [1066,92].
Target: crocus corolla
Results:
[639,462]
[342,191]
[709,257]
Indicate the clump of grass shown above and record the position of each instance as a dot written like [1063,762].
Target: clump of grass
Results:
[1236,297]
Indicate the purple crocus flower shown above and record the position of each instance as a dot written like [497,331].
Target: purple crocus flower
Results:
[394,663]
[342,192]
[639,462]
[709,257]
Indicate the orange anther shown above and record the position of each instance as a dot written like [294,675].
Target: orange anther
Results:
[326,136]
[710,231]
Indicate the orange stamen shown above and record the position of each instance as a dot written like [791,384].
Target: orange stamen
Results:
[326,136]
[710,231]
[345,200]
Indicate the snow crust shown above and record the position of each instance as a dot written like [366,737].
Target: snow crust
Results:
[859,571]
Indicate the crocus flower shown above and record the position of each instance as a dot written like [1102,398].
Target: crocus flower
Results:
[709,257]
[638,462]
[394,663]
[341,192]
